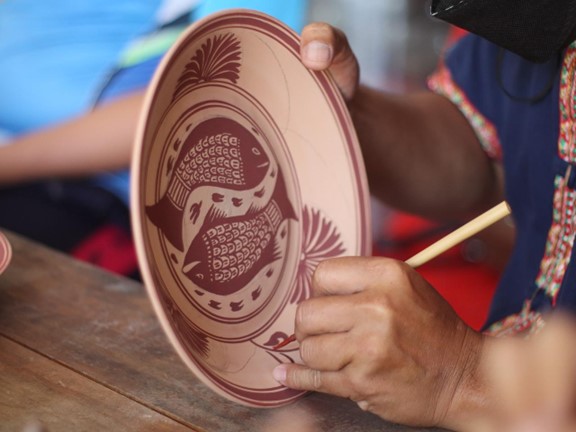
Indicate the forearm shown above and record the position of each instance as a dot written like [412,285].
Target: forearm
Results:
[422,156]
[97,141]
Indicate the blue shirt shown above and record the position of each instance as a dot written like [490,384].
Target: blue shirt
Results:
[54,54]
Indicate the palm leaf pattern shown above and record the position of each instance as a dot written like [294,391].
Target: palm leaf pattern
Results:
[321,241]
[218,59]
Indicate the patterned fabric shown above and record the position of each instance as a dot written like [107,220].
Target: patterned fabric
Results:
[560,238]
[442,83]
[567,140]
[526,323]
[561,235]
[499,93]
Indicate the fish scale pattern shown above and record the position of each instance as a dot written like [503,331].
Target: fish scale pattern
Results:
[215,159]
[234,247]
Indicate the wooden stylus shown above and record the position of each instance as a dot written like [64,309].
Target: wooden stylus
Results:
[457,236]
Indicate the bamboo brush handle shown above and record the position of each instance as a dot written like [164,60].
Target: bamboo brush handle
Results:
[459,235]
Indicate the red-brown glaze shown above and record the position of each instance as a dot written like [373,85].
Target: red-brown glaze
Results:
[218,152]
[5,253]
[228,252]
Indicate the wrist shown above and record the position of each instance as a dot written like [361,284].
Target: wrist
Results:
[473,405]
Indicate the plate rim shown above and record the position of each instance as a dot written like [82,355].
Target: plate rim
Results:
[7,248]
[337,105]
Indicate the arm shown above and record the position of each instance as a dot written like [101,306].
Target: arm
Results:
[420,152]
[422,155]
[97,141]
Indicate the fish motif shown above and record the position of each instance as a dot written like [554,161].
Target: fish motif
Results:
[227,253]
[218,152]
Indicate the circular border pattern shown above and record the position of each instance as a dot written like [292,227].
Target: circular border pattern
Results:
[241,371]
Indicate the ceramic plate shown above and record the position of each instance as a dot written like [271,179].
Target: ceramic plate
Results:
[247,173]
[5,253]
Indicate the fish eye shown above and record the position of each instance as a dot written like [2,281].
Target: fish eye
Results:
[200,276]
[255,151]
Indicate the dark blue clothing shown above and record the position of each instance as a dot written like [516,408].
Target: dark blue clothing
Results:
[520,101]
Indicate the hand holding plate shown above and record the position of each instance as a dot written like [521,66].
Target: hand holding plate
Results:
[325,47]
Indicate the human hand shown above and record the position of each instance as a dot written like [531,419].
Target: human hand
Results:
[325,47]
[377,333]
[535,379]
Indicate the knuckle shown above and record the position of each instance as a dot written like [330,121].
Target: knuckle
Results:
[306,379]
[380,269]
[380,303]
[394,270]
[380,309]
[356,380]
[373,347]
[316,379]
[307,351]
[303,313]
[340,37]
[320,31]
[363,384]
[321,28]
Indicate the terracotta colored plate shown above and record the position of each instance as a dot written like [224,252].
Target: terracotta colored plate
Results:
[247,173]
[5,253]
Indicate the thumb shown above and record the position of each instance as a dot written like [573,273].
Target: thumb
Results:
[325,47]
[300,377]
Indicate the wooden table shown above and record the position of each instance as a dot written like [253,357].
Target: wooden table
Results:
[81,350]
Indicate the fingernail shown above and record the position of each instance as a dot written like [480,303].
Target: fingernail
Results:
[279,374]
[317,52]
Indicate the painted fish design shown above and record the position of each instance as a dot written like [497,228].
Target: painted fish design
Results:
[218,152]
[228,252]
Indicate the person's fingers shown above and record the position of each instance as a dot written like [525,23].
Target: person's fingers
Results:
[329,352]
[321,315]
[323,47]
[351,275]
[300,377]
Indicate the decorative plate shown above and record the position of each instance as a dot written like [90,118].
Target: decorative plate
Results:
[5,253]
[246,174]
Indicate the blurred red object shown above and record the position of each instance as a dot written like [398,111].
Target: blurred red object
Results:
[467,284]
[454,34]
[110,248]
